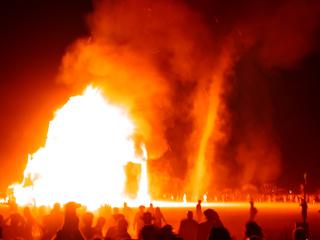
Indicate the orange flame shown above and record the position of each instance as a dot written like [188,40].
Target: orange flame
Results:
[88,144]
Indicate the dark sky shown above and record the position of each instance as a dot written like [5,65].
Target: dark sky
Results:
[35,35]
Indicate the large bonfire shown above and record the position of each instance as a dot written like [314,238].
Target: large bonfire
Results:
[88,145]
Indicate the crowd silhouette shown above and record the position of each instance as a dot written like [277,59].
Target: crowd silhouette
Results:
[110,224]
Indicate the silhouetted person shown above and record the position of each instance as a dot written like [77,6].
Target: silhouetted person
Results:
[204,228]
[116,216]
[127,212]
[122,230]
[299,234]
[253,229]
[199,211]
[112,231]
[99,226]
[30,221]
[219,234]
[87,230]
[166,233]
[106,212]
[42,211]
[304,208]
[52,223]
[17,228]
[253,212]
[151,209]
[70,229]
[57,214]
[138,222]
[147,218]
[149,232]
[188,227]
[13,204]
[158,217]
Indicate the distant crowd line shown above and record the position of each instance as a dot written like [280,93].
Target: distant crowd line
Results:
[76,223]
[234,197]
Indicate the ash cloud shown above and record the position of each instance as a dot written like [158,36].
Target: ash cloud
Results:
[196,78]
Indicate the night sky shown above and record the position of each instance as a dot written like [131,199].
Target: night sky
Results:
[274,80]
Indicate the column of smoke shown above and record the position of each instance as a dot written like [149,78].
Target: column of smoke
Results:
[193,82]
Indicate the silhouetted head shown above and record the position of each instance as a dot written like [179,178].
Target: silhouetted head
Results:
[101,222]
[141,207]
[147,218]
[199,201]
[118,216]
[26,211]
[57,207]
[190,215]
[125,204]
[151,205]
[299,234]
[115,210]
[211,215]
[166,232]
[149,232]
[157,210]
[16,219]
[71,206]
[219,234]
[71,220]
[253,229]
[42,210]
[87,218]
[122,225]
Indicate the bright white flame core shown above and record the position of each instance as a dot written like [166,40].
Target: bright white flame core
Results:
[88,144]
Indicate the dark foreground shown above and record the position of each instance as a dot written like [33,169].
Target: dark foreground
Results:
[276,219]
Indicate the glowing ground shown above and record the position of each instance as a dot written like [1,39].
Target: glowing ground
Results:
[276,219]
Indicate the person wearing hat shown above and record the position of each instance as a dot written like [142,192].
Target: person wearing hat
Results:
[213,220]
[70,229]
[147,218]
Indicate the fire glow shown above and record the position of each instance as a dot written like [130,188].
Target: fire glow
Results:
[192,87]
[88,144]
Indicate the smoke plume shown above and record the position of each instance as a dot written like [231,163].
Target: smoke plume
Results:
[195,78]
